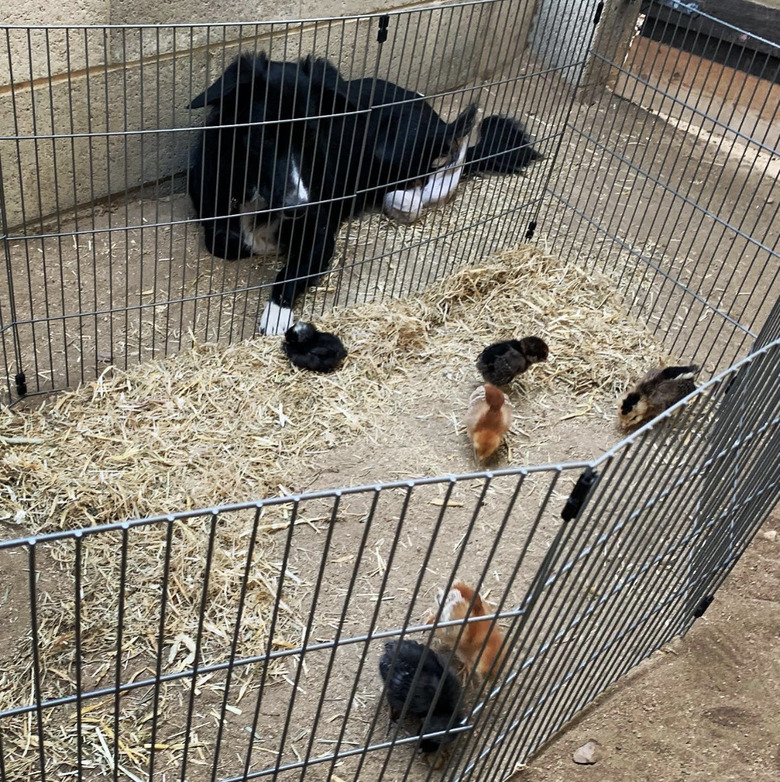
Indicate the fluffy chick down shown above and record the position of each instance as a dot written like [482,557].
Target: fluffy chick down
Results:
[501,362]
[658,390]
[480,646]
[487,420]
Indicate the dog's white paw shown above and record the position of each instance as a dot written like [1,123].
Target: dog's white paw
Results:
[404,206]
[275,319]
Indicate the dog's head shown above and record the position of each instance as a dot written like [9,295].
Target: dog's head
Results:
[266,120]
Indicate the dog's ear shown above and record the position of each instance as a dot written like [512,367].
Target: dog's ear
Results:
[241,71]
[329,91]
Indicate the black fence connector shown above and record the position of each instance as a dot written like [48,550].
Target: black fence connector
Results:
[384,23]
[702,606]
[579,494]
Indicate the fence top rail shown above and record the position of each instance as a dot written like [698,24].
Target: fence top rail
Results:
[293,22]
[294,499]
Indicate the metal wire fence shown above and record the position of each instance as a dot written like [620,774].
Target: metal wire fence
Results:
[135,670]
[160,647]
[105,257]
[678,202]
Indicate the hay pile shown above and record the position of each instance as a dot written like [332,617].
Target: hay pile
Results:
[216,425]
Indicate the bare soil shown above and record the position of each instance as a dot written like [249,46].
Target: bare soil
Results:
[703,708]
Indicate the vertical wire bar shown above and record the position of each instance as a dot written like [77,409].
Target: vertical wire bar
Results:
[58,220]
[374,618]
[188,223]
[125,143]
[15,340]
[202,185]
[204,599]
[160,642]
[234,645]
[269,645]
[224,287]
[307,635]
[36,660]
[44,266]
[24,227]
[120,623]
[142,196]
[159,137]
[109,232]
[175,133]
[3,775]
[75,195]
[78,661]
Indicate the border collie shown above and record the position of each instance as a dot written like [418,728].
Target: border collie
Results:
[291,149]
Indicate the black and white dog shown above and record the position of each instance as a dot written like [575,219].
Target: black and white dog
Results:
[291,149]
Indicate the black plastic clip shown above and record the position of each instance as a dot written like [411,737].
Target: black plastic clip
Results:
[597,17]
[578,494]
[529,234]
[21,384]
[384,23]
[703,605]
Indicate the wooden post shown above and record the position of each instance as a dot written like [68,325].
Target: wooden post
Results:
[614,31]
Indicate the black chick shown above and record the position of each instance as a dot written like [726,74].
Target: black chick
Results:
[308,348]
[658,390]
[501,362]
[444,714]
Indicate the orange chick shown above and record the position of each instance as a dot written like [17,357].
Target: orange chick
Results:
[487,420]
[485,637]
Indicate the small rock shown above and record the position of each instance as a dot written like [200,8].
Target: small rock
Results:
[770,534]
[587,754]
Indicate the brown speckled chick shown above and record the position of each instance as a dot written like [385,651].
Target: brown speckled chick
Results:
[658,390]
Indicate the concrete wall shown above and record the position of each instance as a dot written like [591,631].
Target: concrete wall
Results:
[562,34]
[115,98]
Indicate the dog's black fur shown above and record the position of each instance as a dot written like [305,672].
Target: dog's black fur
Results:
[301,149]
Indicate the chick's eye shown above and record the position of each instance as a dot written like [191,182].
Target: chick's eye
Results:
[233,204]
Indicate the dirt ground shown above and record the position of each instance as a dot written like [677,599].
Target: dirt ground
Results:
[703,708]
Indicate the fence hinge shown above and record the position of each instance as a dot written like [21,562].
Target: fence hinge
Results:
[529,234]
[702,606]
[384,23]
[578,494]
[599,9]
[21,384]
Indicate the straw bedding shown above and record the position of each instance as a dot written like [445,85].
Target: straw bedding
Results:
[216,425]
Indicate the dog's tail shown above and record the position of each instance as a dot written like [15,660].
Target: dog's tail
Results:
[503,147]
[463,124]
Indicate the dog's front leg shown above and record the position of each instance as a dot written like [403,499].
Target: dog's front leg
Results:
[310,241]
